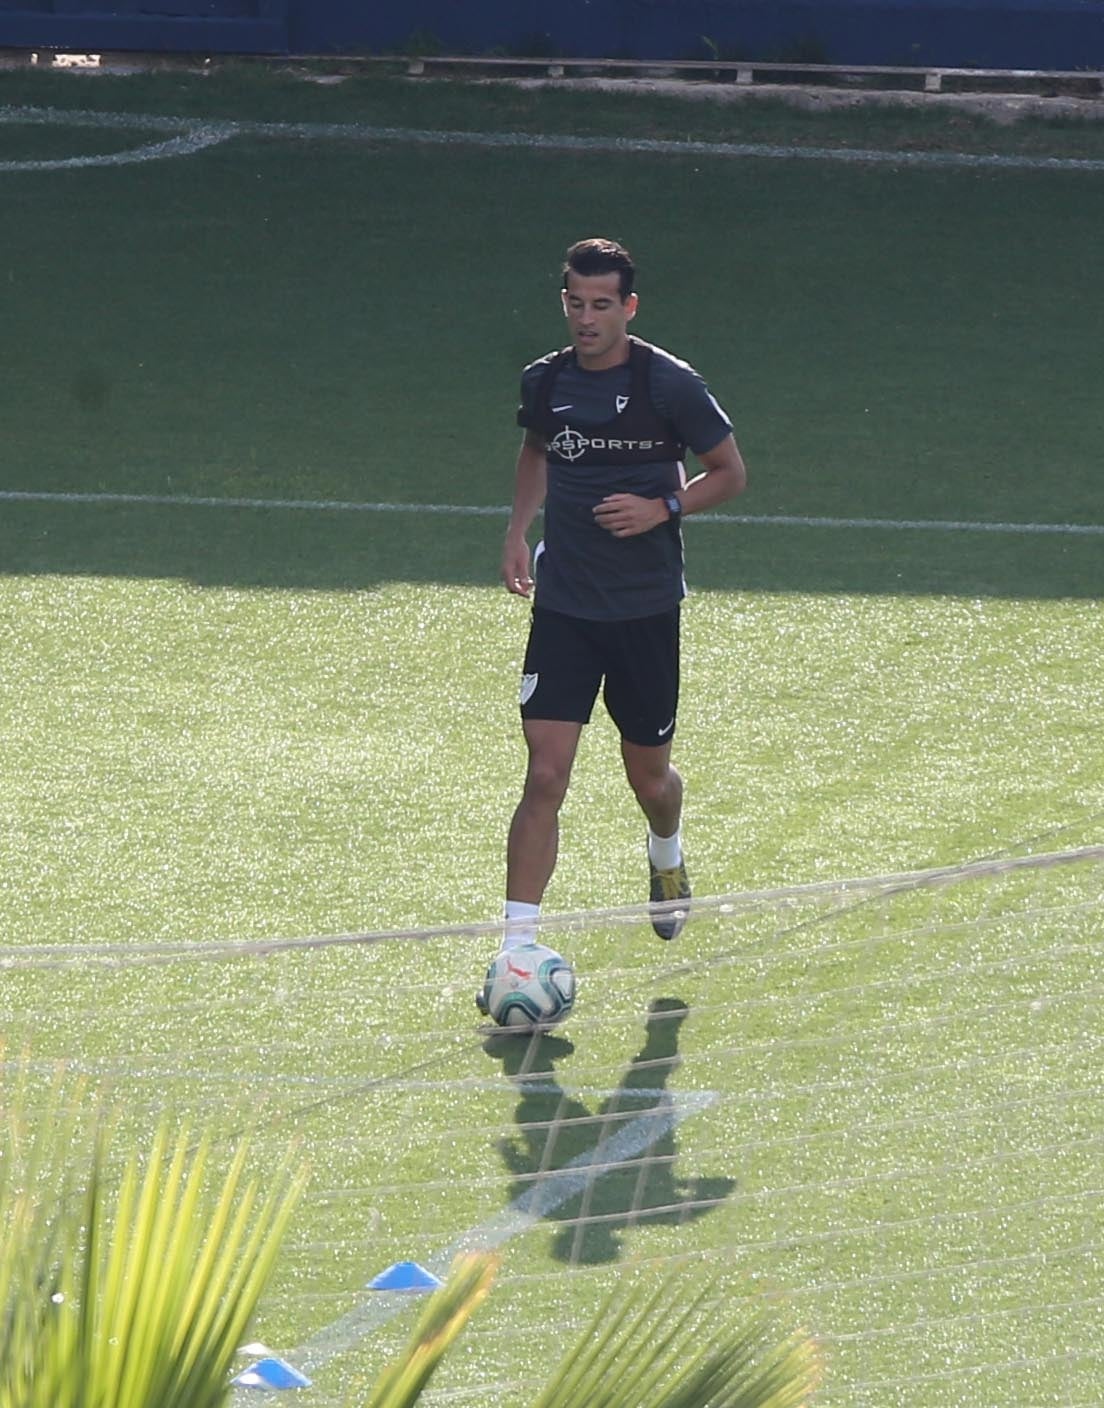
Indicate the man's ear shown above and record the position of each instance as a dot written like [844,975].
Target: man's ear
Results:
[630,306]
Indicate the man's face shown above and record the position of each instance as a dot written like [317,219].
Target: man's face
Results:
[597,319]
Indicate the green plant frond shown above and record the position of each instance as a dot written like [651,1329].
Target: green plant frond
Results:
[750,1372]
[41,1214]
[88,1274]
[198,1295]
[133,1294]
[609,1330]
[665,1333]
[743,1379]
[794,1373]
[723,1370]
[445,1314]
[156,1279]
[118,1347]
[234,1265]
[186,1279]
[635,1332]
[669,1345]
[219,1287]
[256,1252]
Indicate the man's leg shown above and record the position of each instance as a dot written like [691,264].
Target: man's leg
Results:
[642,692]
[657,785]
[560,676]
[533,841]
[658,788]
[534,835]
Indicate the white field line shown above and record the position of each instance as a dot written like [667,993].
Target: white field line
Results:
[765,520]
[193,141]
[543,141]
[536,1203]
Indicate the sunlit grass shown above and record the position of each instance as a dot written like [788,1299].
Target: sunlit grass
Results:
[191,763]
[252,724]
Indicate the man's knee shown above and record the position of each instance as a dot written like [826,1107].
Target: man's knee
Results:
[546,780]
[552,745]
[652,788]
[651,776]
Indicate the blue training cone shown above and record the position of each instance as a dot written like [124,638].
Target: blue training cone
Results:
[272,1373]
[405,1276]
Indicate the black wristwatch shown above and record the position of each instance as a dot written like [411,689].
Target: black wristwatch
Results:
[674,506]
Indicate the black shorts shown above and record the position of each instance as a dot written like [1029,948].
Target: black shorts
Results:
[567,659]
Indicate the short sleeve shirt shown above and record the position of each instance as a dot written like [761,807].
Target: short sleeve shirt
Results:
[581,568]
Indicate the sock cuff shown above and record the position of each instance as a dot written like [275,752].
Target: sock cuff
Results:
[665,852]
[520,918]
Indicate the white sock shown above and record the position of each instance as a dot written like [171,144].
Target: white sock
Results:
[518,931]
[665,852]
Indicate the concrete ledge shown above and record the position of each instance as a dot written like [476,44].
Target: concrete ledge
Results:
[1059,82]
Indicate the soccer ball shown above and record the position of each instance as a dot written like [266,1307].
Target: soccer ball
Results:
[528,986]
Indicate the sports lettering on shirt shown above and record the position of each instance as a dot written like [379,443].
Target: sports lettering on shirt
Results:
[572,445]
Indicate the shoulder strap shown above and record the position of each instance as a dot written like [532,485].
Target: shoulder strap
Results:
[640,365]
[640,362]
[548,377]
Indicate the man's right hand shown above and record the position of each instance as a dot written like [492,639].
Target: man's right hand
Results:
[516,568]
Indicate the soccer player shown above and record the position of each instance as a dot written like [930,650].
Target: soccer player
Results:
[607,423]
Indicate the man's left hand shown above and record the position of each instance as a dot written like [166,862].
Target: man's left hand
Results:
[626,515]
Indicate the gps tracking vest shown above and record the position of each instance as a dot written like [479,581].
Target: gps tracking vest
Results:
[636,435]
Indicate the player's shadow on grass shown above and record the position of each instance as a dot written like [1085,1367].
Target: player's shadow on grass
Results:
[599,1172]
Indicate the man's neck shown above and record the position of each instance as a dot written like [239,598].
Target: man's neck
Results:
[615,357]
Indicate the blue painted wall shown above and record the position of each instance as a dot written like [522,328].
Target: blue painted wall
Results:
[1053,34]
[176,26]
[1049,34]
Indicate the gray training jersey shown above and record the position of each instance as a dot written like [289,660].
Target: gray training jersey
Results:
[622,430]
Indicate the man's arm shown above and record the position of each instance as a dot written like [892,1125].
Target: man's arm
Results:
[530,483]
[723,476]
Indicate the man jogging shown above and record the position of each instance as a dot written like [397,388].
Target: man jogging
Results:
[607,422]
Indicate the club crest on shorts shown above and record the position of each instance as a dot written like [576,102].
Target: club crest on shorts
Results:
[528,688]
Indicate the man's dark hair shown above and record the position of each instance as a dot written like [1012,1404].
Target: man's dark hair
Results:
[597,256]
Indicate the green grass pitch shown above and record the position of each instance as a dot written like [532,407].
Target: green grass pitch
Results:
[249,724]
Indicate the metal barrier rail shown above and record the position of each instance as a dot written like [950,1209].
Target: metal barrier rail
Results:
[1087,83]
[746,72]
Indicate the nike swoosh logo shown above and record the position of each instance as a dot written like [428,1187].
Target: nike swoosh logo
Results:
[557,409]
[666,729]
